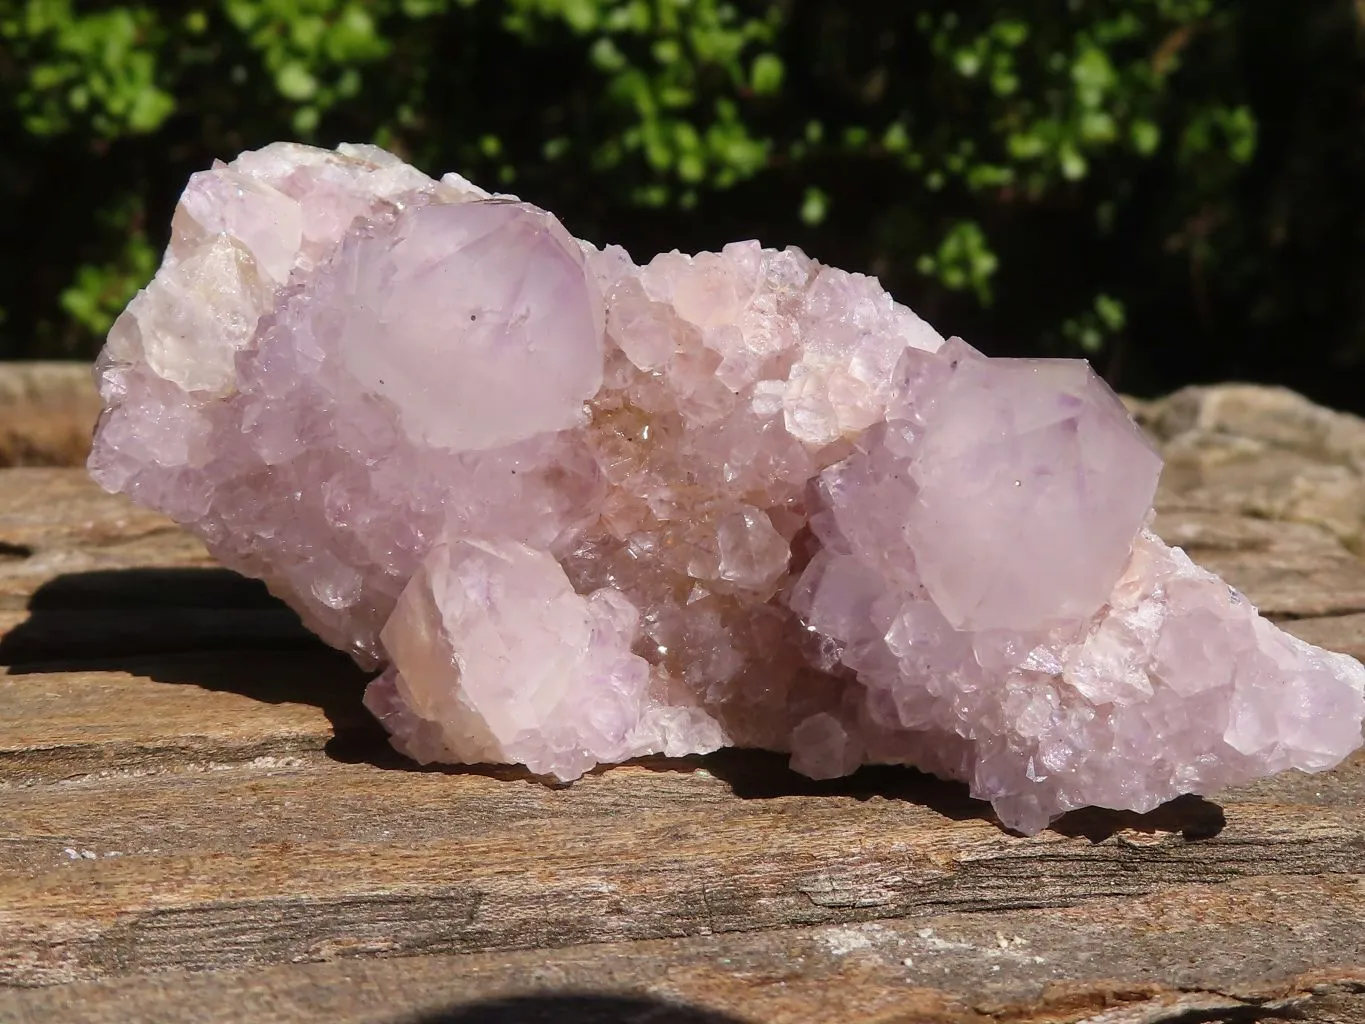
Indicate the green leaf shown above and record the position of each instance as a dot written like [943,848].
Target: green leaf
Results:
[422,8]
[982,176]
[150,108]
[581,15]
[965,261]
[667,51]
[295,82]
[605,55]
[1074,166]
[1241,128]
[1004,82]
[814,206]
[967,62]
[1098,126]
[1026,145]
[1010,32]
[765,77]
[1093,75]
[306,120]
[1111,312]
[1145,136]
[856,137]
[896,139]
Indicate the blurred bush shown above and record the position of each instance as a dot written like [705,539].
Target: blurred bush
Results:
[1171,187]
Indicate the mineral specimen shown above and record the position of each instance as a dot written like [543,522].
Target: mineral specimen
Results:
[580,510]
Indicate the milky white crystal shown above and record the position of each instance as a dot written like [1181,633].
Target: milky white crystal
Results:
[580,510]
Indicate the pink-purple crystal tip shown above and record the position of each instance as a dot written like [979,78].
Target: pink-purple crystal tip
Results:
[580,510]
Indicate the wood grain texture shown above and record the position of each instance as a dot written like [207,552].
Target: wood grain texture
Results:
[198,822]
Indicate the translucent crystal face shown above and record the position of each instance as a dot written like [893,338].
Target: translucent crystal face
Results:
[478,321]
[1032,482]
[530,653]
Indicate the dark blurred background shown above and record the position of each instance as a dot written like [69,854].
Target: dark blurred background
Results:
[1173,188]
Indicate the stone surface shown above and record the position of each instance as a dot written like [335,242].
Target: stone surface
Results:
[583,510]
[47,413]
[1265,451]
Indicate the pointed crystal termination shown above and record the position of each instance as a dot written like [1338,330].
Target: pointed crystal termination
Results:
[546,677]
[580,510]
[492,328]
[1031,483]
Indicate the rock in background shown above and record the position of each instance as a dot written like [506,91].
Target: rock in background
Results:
[47,413]
[1262,452]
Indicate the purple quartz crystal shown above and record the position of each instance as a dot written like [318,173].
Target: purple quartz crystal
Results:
[580,510]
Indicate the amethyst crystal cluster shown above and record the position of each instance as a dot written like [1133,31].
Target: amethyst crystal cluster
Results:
[580,510]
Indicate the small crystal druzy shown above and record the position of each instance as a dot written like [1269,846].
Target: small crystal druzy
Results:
[580,510]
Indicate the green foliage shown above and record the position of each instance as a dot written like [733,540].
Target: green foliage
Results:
[101,290]
[1092,329]
[963,260]
[1105,177]
[89,72]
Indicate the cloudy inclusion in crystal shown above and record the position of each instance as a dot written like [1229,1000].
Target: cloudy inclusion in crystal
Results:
[1031,483]
[492,329]
[579,510]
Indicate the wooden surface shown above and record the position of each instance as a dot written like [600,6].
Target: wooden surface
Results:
[198,822]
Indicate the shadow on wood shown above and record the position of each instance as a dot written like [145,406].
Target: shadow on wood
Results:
[1193,817]
[209,628]
[758,775]
[112,614]
[572,1009]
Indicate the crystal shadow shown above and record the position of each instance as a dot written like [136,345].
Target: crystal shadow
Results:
[210,628]
[126,612]
[572,1009]
[759,775]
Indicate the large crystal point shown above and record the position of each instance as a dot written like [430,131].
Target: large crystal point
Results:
[580,510]
[496,659]
[478,322]
[1030,484]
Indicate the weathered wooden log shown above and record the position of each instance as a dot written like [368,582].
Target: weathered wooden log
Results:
[199,822]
